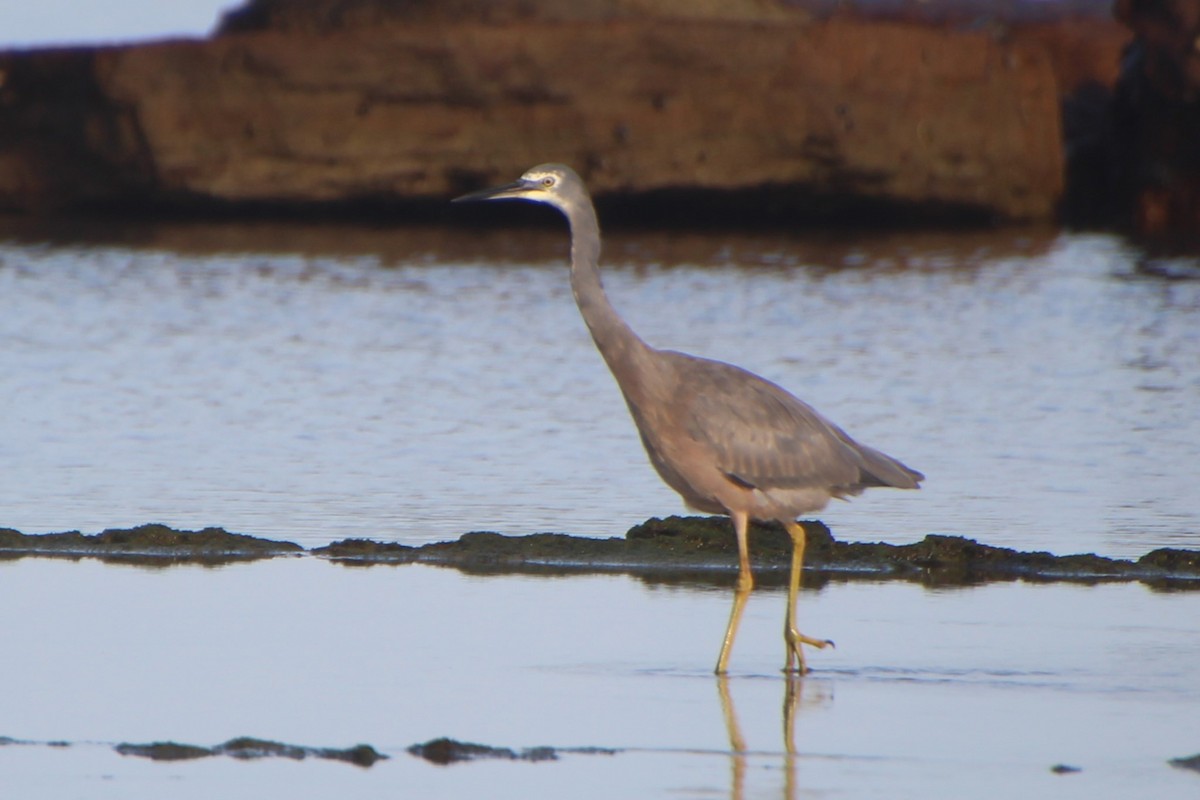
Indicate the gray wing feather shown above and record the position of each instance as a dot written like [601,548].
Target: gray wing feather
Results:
[763,436]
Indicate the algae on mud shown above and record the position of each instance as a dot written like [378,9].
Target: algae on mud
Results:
[683,548]
[444,751]
[1191,762]
[703,546]
[150,544]
[441,751]
[248,748]
[448,751]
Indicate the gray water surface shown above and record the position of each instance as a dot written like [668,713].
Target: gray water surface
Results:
[961,693]
[314,383]
[321,382]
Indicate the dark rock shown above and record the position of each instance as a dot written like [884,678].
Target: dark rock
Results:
[365,549]
[249,748]
[450,751]
[149,544]
[361,755]
[1190,762]
[1172,560]
[702,548]
[165,751]
[671,549]
[1157,116]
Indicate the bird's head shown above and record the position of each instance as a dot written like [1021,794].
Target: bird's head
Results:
[553,184]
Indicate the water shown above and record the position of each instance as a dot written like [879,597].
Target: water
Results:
[315,383]
[962,693]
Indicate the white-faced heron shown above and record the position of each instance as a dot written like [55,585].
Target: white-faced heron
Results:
[727,440]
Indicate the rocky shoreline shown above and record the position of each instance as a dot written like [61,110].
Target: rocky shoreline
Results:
[676,548]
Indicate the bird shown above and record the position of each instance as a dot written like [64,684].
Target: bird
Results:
[728,441]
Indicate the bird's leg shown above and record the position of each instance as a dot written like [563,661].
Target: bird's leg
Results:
[792,637]
[741,590]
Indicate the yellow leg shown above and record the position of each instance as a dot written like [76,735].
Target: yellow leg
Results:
[745,582]
[792,637]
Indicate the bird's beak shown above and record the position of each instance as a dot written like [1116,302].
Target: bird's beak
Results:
[509,190]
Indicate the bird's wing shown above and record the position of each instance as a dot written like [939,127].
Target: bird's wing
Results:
[763,436]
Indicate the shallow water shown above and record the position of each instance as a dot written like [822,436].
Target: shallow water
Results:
[314,383]
[320,382]
[962,693]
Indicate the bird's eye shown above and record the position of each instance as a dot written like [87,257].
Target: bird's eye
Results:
[548,181]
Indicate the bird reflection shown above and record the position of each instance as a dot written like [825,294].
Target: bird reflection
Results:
[791,701]
[792,693]
[737,743]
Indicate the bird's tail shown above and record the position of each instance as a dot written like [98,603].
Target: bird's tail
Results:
[880,469]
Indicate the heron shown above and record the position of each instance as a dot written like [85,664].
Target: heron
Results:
[728,441]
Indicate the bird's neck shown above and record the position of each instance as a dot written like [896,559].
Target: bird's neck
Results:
[620,346]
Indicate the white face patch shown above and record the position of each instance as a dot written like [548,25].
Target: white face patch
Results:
[542,179]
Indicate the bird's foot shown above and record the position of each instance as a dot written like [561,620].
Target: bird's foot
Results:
[795,641]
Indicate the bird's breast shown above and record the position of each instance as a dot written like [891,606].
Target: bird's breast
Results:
[683,464]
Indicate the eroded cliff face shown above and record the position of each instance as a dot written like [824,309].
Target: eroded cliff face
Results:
[425,107]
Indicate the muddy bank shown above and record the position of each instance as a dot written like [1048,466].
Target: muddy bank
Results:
[703,547]
[687,549]
[442,751]
[245,748]
[145,544]
[248,748]
[445,751]
[1191,762]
